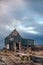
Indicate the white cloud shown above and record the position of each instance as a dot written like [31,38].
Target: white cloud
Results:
[33,32]
[30,30]
[41,22]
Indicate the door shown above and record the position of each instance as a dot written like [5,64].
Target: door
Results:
[17,46]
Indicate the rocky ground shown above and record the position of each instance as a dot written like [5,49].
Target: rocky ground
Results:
[12,58]
[38,53]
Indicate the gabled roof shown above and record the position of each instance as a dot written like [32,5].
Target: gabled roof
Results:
[14,32]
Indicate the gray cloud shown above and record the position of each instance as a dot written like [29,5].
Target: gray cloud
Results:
[35,5]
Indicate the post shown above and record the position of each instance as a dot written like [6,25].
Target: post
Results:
[7,46]
[14,46]
[19,46]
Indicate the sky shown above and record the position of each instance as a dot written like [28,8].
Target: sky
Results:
[24,15]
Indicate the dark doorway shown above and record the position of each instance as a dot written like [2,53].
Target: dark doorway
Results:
[11,46]
[17,46]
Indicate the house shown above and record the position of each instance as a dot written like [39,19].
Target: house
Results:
[15,42]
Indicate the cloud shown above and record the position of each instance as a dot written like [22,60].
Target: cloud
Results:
[29,30]
[24,15]
[7,5]
[35,5]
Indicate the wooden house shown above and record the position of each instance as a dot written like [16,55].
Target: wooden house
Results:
[15,42]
